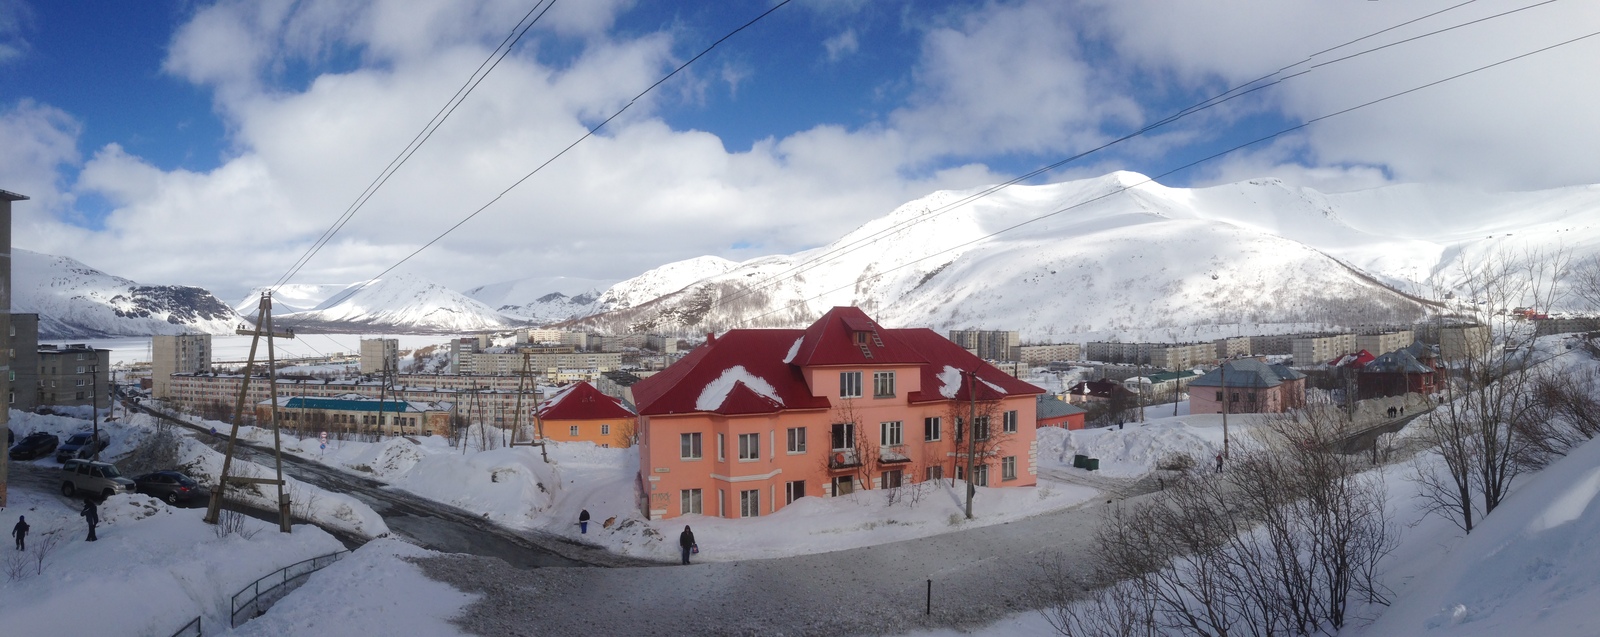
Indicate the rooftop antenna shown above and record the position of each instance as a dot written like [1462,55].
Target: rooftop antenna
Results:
[263,327]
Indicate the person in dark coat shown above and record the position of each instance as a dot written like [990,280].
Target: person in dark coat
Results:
[20,531]
[686,542]
[90,514]
[583,521]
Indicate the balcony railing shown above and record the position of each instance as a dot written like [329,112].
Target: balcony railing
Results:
[843,459]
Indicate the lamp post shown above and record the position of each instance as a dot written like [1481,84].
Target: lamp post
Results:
[94,405]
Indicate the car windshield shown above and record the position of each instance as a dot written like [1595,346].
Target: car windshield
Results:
[187,481]
[110,471]
[78,439]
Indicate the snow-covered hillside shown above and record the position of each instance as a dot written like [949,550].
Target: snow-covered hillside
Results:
[542,299]
[293,297]
[1120,259]
[403,303]
[74,300]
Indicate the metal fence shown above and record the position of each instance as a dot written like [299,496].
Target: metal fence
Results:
[263,593]
[191,629]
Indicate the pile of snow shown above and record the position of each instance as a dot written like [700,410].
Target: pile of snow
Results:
[1138,448]
[378,592]
[152,569]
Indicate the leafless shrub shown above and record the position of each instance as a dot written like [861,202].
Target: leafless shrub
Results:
[17,565]
[233,523]
[302,503]
[1176,461]
[44,549]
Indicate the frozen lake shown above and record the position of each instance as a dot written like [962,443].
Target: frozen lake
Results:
[233,347]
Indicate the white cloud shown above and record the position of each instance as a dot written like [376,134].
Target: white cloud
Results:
[15,17]
[841,45]
[40,140]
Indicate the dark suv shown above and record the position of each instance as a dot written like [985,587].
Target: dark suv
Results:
[93,479]
[36,445]
[81,445]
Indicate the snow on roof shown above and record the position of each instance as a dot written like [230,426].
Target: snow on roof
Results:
[716,391]
[581,401]
[949,381]
[993,386]
[793,349]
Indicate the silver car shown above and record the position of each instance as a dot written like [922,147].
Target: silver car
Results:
[93,479]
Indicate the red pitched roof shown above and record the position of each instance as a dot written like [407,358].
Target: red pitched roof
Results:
[832,340]
[582,401]
[754,372]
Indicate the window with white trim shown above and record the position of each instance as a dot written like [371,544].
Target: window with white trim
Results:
[721,449]
[980,475]
[935,472]
[749,446]
[689,446]
[883,384]
[844,436]
[605,430]
[849,384]
[690,501]
[1008,468]
[980,428]
[930,429]
[1008,422]
[892,479]
[573,430]
[890,434]
[750,503]
[794,491]
[797,440]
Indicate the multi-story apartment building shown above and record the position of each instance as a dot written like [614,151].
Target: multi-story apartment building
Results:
[23,350]
[842,405]
[548,364]
[1272,345]
[6,197]
[74,375]
[993,345]
[1234,346]
[1118,352]
[379,354]
[1464,341]
[1315,349]
[1378,343]
[493,400]
[1182,356]
[1042,354]
[180,354]
[353,413]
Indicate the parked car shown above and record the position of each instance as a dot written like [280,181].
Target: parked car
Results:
[171,486]
[92,479]
[37,445]
[83,444]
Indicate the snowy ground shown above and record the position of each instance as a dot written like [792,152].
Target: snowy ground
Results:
[153,569]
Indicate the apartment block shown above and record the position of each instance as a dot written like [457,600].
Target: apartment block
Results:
[1182,356]
[74,375]
[494,400]
[994,345]
[1463,341]
[1272,345]
[180,354]
[1118,352]
[1315,349]
[379,354]
[23,350]
[1383,342]
[1231,347]
[1036,355]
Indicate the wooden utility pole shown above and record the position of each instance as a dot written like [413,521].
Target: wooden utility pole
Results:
[263,327]
[537,440]
[972,431]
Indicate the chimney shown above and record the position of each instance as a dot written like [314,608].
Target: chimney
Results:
[711,337]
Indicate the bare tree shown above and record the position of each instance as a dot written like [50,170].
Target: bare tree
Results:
[1584,282]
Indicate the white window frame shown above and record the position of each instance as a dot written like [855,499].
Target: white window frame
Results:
[850,437]
[749,447]
[849,384]
[930,429]
[573,430]
[980,475]
[891,433]
[689,446]
[1008,468]
[721,448]
[899,478]
[691,501]
[605,430]
[1008,422]
[789,491]
[750,503]
[797,440]
[980,425]
[883,384]
[934,472]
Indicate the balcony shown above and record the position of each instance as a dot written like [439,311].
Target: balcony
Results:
[841,459]
[893,454]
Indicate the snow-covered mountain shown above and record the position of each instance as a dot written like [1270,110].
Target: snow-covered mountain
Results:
[543,299]
[293,297]
[1117,256]
[74,300]
[399,303]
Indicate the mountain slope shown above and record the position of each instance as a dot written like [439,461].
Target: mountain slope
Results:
[293,297]
[403,303]
[74,300]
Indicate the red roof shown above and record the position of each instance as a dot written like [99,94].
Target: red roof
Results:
[761,371]
[581,401]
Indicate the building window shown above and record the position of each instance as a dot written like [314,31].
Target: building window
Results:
[80,369]
[849,384]
[843,485]
[890,434]
[573,430]
[1233,397]
[930,429]
[844,436]
[689,446]
[883,384]
[721,453]
[690,501]
[750,503]
[797,440]
[1008,422]
[605,430]
[892,479]
[980,428]
[980,475]
[935,472]
[793,491]
[79,383]
[80,395]
[1008,468]
[749,446]
[1219,396]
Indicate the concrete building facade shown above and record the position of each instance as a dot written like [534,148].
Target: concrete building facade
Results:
[378,354]
[180,354]
[1042,354]
[23,351]
[1314,349]
[6,197]
[74,375]
[993,345]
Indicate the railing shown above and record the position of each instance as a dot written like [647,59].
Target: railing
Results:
[191,629]
[277,584]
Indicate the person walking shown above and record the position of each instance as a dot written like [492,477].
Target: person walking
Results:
[90,514]
[1219,463]
[686,542]
[20,531]
[583,521]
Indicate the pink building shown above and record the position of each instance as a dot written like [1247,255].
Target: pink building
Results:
[1250,387]
[755,419]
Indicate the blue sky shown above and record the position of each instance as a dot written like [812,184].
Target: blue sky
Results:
[159,128]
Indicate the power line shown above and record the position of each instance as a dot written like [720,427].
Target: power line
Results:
[590,133]
[1216,100]
[1192,164]
[493,60]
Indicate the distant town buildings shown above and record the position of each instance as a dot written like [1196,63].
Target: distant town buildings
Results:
[74,375]
[357,414]
[1249,386]
[379,355]
[580,413]
[1043,354]
[993,345]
